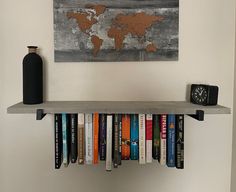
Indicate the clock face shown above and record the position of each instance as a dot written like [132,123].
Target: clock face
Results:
[199,94]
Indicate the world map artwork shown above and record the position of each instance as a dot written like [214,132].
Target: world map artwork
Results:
[122,30]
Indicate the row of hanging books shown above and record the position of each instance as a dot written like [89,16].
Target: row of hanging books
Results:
[88,138]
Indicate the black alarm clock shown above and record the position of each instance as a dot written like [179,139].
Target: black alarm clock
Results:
[204,94]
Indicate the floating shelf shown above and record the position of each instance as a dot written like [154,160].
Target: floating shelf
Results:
[121,107]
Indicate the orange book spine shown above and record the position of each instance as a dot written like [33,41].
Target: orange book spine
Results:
[95,137]
[125,137]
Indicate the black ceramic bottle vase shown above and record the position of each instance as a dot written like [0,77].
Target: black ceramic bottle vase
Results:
[32,77]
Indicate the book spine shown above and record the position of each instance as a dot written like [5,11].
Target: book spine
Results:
[180,141]
[65,139]
[73,123]
[149,138]
[134,136]
[88,138]
[120,138]
[171,140]
[125,137]
[102,135]
[156,138]
[163,119]
[95,137]
[109,143]
[58,140]
[81,138]
[116,142]
[142,159]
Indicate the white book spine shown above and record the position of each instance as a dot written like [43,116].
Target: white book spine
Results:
[142,159]
[163,139]
[149,138]
[109,143]
[88,138]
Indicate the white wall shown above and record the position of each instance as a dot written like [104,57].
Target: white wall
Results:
[206,56]
[233,169]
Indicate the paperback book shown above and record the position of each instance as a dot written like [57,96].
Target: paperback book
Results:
[58,140]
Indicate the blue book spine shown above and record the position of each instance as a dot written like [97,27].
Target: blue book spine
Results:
[134,137]
[171,140]
[64,139]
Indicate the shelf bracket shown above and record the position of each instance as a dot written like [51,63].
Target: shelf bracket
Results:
[40,114]
[198,116]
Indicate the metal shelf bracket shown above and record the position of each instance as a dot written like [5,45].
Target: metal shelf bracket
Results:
[198,116]
[40,114]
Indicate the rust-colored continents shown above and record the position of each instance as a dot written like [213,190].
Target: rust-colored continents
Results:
[97,43]
[136,24]
[83,20]
[100,9]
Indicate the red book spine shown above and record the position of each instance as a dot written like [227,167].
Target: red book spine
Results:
[149,138]
[163,122]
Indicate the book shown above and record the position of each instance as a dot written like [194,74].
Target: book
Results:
[156,138]
[125,155]
[102,136]
[65,136]
[163,121]
[149,138]
[120,138]
[81,139]
[170,140]
[73,139]
[142,159]
[58,140]
[89,138]
[179,141]
[134,137]
[109,143]
[95,137]
[116,141]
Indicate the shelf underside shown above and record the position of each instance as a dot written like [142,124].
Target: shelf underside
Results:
[121,107]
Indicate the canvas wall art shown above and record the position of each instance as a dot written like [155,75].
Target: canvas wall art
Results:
[121,30]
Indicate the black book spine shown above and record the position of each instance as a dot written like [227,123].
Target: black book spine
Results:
[179,141]
[73,126]
[68,138]
[120,138]
[156,138]
[116,141]
[58,140]
[102,136]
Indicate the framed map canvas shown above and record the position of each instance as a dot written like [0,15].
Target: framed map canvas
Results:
[116,30]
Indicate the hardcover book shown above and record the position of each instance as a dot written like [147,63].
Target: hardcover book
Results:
[134,137]
[81,138]
[74,142]
[180,141]
[109,143]
[58,140]
[171,140]
[65,136]
[89,138]
[149,138]
[156,138]
[95,137]
[116,141]
[102,136]
[163,123]
[142,159]
[125,137]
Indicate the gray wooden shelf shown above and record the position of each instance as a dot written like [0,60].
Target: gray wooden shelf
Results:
[121,107]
